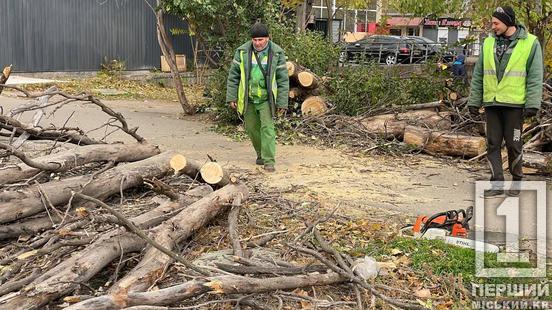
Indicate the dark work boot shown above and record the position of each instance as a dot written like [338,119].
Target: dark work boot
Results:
[259,161]
[513,192]
[494,193]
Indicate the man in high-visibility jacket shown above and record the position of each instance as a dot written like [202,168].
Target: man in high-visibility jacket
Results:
[507,82]
[258,87]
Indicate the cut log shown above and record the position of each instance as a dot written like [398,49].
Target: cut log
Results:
[171,232]
[542,162]
[80,156]
[178,162]
[295,93]
[293,69]
[27,202]
[453,96]
[393,125]
[5,76]
[216,285]
[314,105]
[83,265]
[213,173]
[308,79]
[212,170]
[446,143]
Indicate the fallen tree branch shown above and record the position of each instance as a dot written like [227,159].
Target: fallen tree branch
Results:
[217,285]
[128,224]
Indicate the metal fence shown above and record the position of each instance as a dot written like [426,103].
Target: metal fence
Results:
[78,35]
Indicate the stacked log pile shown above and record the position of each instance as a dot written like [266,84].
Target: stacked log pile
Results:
[304,92]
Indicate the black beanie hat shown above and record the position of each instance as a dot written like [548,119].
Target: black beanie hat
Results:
[506,15]
[259,30]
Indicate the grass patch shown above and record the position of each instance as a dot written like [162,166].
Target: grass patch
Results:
[125,89]
[439,258]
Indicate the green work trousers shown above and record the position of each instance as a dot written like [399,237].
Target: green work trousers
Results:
[260,129]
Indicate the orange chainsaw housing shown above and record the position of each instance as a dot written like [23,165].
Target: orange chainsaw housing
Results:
[456,230]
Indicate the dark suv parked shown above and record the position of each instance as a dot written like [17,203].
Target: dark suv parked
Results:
[431,49]
[385,49]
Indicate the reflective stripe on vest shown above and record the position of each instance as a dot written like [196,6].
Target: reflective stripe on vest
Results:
[512,87]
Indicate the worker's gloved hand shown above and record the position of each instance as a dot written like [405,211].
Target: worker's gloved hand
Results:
[530,112]
[474,111]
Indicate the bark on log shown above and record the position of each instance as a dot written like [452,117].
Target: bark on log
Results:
[540,161]
[24,203]
[84,265]
[217,285]
[29,227]
[80,156]
[5,76]
[171,232]
[293,69]
[193,169]
[314,105]
[443,142]
[393,125]
[64,278]
[308,80]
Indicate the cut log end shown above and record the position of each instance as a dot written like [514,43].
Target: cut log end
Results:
[178,162]
[212,172]
[307,79]
[291,68]
[314,105]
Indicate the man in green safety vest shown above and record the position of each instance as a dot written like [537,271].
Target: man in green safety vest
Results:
[507,82]
[258,87]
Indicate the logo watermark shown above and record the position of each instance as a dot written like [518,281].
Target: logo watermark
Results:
[509,208]
[511,296]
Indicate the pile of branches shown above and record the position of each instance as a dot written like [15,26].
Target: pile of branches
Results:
[101,225]
[441,128]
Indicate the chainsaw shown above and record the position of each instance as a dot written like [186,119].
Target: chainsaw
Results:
[450,226]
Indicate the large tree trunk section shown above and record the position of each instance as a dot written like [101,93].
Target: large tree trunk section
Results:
[314,105]
[216,285]
[308,80]
[171,232]
[78,157]
[5,76]
[83,265]
[17,205]
[393,125]
[443,142]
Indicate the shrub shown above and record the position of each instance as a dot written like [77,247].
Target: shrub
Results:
[356,90]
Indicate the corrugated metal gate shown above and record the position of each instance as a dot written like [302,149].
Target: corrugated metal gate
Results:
[77,35]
